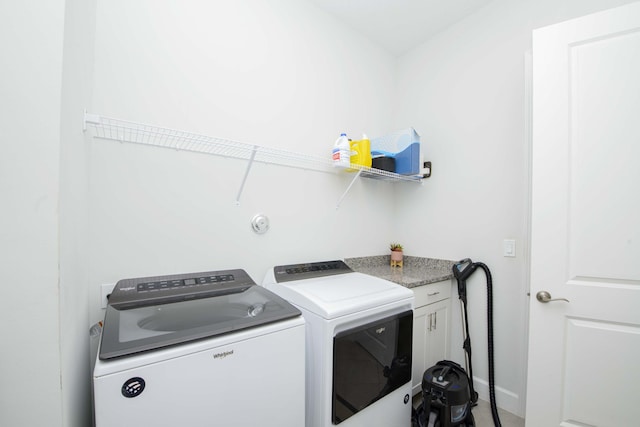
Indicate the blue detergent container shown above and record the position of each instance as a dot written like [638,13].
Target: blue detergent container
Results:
[403,146]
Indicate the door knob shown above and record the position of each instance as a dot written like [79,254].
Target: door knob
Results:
[544,296]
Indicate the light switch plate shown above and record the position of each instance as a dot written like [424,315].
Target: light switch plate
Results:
[509,248]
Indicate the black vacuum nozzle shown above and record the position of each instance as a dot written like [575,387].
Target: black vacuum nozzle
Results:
[463,269]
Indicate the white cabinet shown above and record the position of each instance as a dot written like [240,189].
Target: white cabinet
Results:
[430,328]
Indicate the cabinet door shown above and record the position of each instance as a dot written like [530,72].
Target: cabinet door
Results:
[419,362]
[437,346]
[430,339]
[430,328]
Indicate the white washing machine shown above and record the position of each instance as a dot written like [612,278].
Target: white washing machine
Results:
[359,343]
[203,349]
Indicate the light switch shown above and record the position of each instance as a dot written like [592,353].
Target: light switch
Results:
[509,248]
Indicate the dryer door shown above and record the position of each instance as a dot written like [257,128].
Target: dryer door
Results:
[369,362]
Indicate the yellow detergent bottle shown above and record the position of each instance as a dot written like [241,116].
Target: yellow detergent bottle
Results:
[361,152]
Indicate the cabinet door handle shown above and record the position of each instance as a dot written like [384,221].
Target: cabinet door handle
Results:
[430,321]
[433,294]
[435,320]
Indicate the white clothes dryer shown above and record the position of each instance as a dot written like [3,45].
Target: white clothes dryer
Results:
[199,350]
[359,343]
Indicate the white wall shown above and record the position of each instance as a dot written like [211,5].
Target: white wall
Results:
[31,39]
[279,74]
[463,91]
[74,244]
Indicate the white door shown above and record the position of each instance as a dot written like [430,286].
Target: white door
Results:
[584,355]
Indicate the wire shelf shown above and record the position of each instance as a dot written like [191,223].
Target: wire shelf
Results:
[138,133]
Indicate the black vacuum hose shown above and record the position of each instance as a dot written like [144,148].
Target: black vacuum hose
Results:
[492,389]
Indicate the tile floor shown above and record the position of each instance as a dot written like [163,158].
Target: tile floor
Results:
[482,415]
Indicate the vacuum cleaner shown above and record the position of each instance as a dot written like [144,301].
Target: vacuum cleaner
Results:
[447,390]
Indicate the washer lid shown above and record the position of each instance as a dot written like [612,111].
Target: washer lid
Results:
[335,295]
[150,317]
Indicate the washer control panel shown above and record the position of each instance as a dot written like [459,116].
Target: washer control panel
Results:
[138,292]
[177,283]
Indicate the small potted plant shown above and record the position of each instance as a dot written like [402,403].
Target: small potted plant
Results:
[396,254]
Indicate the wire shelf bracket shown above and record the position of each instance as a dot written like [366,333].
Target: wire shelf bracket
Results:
[246,173]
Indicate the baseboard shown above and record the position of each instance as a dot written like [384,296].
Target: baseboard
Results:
[505,399]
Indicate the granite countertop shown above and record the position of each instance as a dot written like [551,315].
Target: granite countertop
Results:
[416,271]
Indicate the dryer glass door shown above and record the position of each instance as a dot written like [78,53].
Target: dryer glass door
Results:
[369,362]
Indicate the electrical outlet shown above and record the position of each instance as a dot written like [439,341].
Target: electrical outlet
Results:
[105,291]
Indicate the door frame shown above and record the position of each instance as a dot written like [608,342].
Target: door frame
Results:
[526,248]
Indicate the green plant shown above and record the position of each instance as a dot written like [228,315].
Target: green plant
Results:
[395,246]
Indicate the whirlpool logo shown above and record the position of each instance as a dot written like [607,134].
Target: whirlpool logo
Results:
[223,354]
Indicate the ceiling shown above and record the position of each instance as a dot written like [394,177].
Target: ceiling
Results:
[399,25]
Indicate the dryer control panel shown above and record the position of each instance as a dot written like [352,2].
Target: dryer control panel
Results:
[288,273]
